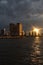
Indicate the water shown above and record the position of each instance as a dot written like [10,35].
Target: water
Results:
[21,51]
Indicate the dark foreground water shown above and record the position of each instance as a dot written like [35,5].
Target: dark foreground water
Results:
[22,51]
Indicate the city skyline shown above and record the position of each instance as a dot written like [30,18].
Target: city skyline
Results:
[21,32]
[17,30]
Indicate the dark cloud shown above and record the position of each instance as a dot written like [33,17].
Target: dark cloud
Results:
[21,10]
[35,0]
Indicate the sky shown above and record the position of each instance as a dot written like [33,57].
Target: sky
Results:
[28,12]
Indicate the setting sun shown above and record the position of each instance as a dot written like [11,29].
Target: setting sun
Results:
[36,30]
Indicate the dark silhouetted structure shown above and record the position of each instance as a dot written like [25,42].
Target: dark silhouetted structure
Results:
[16,29]
[2,32]
[12,29]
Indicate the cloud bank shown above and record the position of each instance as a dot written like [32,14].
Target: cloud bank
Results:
[25,11]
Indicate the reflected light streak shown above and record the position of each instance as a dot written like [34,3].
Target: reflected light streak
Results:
[37,40]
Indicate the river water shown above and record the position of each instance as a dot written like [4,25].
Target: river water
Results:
[21,51]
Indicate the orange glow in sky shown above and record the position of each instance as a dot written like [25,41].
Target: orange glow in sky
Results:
[36,30]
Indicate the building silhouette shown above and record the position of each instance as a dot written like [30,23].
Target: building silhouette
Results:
[12,28]
[16,29]
[19,29]
[2,32]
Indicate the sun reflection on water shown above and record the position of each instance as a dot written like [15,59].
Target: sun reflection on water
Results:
[36,52]
[37,40]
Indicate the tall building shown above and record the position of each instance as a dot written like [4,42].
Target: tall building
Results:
[19,29]
[16,29]
[12,29]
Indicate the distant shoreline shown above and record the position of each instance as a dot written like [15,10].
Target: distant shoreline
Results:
[13,37]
